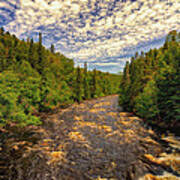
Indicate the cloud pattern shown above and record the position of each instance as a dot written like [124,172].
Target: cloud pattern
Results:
[104,33]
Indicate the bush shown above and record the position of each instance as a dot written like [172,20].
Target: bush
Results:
[16,100]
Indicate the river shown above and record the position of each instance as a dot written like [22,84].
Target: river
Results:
[95,140]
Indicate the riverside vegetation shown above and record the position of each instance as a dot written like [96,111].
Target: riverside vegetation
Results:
[34,79]
[91,139]
[150,85]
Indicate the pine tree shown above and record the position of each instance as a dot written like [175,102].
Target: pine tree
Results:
[168,83]
[86,83]
[94,84]
[30,53]
[39,80]
[124,87]
[40,54]
[168,101]
[105,84]
[126,76]
[165,47]
[1,31]
[78,85]
[52,48]
[150,85]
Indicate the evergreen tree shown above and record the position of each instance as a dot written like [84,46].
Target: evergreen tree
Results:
[165,46]
[34,79]
[1,31]
[150,84]
[124,87]
[86,83]
[169,100]
[94,84]
[78,85]
[40,53]
[31,53]
[52,48]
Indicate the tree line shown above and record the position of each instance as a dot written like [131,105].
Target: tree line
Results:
[35,79]
[150,85]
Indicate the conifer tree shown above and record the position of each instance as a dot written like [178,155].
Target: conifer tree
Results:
[1,31]
[153,89]
[40,53]
[165,46]
[30,53]
[52,48]
[78,85]
[94,84]
[124,87]
[39,80]
[86,83]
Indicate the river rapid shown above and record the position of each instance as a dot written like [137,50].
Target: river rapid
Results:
[93,140]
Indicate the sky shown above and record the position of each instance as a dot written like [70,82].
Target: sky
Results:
[103,33]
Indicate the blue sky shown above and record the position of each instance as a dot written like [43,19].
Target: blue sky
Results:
[104,33]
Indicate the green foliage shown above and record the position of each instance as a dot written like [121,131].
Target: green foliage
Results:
[86,83]
[168,83]
[78,90]
[94,93]
[146,102]
[124,97]
[52,49]
[34,79]
[16,100]
[150,85]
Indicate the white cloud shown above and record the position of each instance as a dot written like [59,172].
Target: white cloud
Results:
[84,29]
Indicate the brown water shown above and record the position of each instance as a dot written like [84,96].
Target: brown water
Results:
[94,140]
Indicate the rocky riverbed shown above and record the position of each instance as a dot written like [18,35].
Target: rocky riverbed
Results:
[92,140]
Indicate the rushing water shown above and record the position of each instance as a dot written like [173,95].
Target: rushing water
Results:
[93,140]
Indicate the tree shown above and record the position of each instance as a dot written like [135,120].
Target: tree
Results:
[150,85]
[169,100]
[86,83]
[124,87]
[146,104]
[31,53]
[94,84]
[40,54]
[78,85]
[52,48]
[1,31]
[34,79]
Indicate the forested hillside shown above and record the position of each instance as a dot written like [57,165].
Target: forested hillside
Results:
[150,85]
[34,79]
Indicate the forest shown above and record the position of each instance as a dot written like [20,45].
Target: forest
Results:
[150,85]
[53,125]
[34,79]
